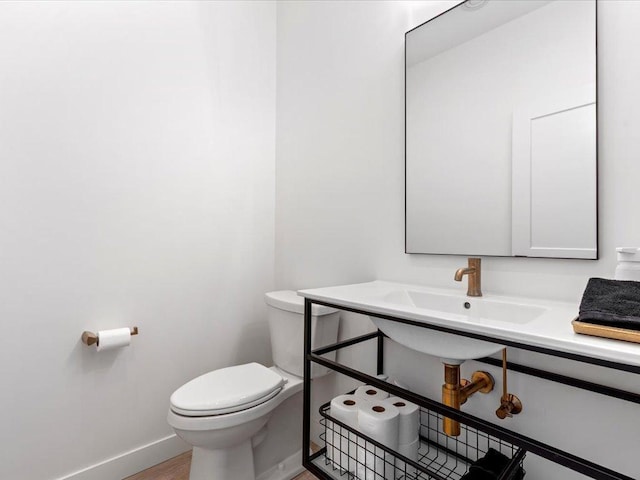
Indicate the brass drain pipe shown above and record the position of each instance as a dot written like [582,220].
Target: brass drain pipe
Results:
[456,392]
[451,397]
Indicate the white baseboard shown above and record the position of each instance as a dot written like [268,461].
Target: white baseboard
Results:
[133,461]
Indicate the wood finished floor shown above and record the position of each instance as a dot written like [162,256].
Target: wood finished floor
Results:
[177,468]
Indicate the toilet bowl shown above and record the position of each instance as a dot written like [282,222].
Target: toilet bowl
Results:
[222,442]
[223,413]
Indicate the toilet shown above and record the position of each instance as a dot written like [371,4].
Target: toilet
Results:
[224,414]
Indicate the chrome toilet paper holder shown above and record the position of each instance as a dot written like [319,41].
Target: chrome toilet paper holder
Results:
[91,338]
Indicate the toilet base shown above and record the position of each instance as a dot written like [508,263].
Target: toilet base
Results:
[233,463]
[287,469]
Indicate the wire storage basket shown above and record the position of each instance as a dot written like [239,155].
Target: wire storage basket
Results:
[353,455]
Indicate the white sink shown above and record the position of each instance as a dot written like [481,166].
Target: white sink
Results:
[452,349]
[444,308]
[473,307]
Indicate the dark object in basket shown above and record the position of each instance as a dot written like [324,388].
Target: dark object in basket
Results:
[612,303]
[490,467]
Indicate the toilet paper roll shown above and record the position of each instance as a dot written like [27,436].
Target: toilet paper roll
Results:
[409,426]
[380,422]
[373,463]
[371,393]
[341,443]
[111,339]
[409,450]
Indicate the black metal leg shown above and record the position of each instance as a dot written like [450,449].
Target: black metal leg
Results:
[306,406]
[380,370]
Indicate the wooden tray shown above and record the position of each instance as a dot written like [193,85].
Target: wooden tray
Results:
[606,332]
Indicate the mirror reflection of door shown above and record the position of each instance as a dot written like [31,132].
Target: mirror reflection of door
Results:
[554,181]
[472,77]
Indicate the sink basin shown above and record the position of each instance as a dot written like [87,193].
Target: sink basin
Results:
[452,349]
[478,307]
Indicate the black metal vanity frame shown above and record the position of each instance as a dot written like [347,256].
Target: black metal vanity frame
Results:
[528,444]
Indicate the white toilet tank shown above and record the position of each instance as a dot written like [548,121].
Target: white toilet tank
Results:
[286,325]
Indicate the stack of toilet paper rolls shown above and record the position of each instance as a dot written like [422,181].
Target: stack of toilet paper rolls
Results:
[393,422]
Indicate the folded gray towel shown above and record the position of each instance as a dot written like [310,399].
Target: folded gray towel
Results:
[490,467]
[613,303]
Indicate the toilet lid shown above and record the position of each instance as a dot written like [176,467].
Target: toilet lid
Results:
[227,390]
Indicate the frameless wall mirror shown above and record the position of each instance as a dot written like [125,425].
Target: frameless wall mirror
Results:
[501,130]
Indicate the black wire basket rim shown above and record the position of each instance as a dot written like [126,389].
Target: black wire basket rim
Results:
[508,472]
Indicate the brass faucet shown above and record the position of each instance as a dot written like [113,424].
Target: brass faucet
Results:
[473,271]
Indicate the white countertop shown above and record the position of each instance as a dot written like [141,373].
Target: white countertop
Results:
[552,329]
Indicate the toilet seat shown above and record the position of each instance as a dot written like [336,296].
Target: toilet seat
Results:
[227,390]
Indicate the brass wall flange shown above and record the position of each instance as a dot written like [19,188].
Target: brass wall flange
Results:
[483,381]
[509,406]
[517,404]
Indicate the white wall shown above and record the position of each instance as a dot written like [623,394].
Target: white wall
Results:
[340,200]
[136,188]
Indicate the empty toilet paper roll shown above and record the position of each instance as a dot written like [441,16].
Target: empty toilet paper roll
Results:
[409,450]
[111,339]
[371,393]
[379,421]
[341,445]
[409,426]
